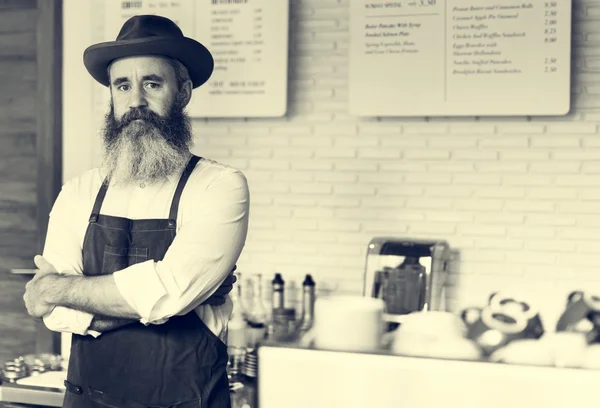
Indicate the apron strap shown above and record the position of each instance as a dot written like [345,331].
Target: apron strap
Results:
[172,224]
[99,199]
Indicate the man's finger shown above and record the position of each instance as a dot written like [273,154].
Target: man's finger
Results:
[43,264]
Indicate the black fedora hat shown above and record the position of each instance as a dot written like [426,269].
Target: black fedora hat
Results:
[150,35]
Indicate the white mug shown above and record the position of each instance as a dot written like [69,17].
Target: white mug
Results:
[348,323]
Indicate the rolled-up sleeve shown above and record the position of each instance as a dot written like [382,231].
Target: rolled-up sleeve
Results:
[210,237]
[63,250]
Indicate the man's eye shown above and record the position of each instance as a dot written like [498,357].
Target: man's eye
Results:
[152,85]
[123,88]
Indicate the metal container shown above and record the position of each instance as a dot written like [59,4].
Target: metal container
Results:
[408,274]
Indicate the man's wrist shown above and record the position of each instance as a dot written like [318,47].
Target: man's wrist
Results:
[58,295]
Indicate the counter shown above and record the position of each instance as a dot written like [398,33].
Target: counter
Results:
[296,377]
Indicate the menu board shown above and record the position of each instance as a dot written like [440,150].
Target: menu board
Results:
[459,57]
[249,43]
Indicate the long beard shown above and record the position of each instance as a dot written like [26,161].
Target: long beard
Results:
[146,151]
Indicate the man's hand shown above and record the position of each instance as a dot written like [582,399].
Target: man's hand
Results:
[218,298]
[39,291]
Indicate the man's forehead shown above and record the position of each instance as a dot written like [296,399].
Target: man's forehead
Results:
[145,65]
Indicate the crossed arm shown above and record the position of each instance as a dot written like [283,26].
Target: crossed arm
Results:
[196,267]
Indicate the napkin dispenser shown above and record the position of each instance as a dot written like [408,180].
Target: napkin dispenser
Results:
[409,275]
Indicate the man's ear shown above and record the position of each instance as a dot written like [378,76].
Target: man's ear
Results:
[186,93]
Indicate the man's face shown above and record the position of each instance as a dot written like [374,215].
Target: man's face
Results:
[142,82]
[146,133]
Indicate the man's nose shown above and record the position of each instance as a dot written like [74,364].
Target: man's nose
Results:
[137,98]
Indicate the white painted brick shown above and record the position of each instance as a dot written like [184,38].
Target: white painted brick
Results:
[335,129]
[313,213]
[380,128]
[476,179]
[425,129]
[268,235]
[577,207]
[311,188]
[427,203]
[504,142]
[354,189]
[338,202]
[268,140]
[506,244]
[329,177]
[355,165]
[578,260]
[530,257]
[524,232]
[572,128]
[591,180]
[484,255]
[585,220]
[312,141]
[447,216]
[314,24]
[380,178]
[337,153]
[403,167]
[453,142]
[311,165]
[338,225]
[268,187]
[555,141]
[485,268]
[552,220]
[260,199]
[432,229]
[501,167]
[478,205]
[576,154]
[429,178]
[314,237]
[393,141]
[246,129]
[355,141]
[296,248]
[313,118]
[252,152]
[426,154]
[499,218]
[556,167]
[529,155]
[276,212]
[521,129]
[552,193]
[448,191]
[292,176]
[474,154]
[227,140]
[312,94]
[590,195]
[535,206]
[331,106]
[527,180]
[271,164]
[384,228]
[482,230]
[215,152]
[292,225]
[500,192]
[292,152]
[476,128]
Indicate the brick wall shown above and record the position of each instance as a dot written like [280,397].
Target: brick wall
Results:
[518,197]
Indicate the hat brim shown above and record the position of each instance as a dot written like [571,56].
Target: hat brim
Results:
[197,59]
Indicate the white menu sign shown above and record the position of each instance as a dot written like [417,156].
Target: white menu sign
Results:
[460,57]
[249,43]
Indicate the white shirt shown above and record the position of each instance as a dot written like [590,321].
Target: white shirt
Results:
[212,224]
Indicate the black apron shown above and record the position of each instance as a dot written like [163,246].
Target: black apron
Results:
[180,363]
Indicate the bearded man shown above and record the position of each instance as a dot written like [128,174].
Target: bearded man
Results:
[139,253]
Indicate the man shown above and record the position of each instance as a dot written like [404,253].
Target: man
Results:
[146,243]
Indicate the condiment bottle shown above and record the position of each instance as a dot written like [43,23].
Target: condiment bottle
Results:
[308,305]
[257,316]
[278,290]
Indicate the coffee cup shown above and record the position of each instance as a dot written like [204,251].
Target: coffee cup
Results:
[348,323]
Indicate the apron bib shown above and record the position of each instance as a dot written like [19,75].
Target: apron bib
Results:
[180,363]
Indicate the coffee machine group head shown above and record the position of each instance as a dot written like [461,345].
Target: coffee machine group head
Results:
[409,275]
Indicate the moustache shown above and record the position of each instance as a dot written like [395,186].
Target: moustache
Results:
[148,116]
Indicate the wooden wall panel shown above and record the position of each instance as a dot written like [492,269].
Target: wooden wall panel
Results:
[19,111]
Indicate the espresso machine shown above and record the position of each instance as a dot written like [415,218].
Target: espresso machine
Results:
[409,275]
